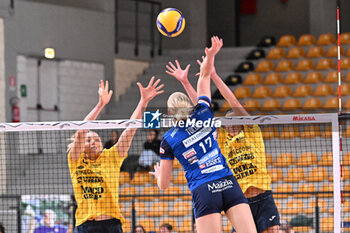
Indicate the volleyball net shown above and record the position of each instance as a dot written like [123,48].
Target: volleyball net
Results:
[301,154]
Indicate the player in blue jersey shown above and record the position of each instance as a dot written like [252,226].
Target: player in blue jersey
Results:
[193,141]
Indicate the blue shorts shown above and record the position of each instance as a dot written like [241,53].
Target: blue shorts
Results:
[264,211]
[216,196]
[105,226]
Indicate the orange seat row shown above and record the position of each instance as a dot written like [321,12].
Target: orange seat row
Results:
[299,52]
[308,40]
[293,78]
[302,65]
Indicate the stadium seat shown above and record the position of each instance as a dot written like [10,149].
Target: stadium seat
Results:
[295,53]
[180,178]
[151,190]
[306,40]
[311,131]
[326,159]
[323,90]
[124,178]
[295,175]
[286,41]
[326,39]
[225,107]
[328,187]
[291,105]
[173,190]
[186,197]
[127,227]
[284,66]
[171,221]
[331,103]
[347,190]
[226,226]
[307,159]
[271,105]
[147,223]
[282,92]
[327,133]
[344,38]
[313,77]
[346,173]
[317,174]
[140,178]
[283,188]
[344,63]
[158,209]
[345,90]
[264,66]
[347,106]
[293,78]
[273,79]
[140,208]
[346,158]
[253,79]
[261,92]
[323,207]
[182,208]
[242,92]
[305,189]
[285,160]
[126,211]
[269,132]
[327,224]
[186,226]
[289,132]
[315,52]
[348,52]
[251,105]
[324,64]
[305,64]
[333,51]
[312,104]
[275,53]
[269,159]
[332,77]
[276,174]
[127,191]
[302,91]
[293,207]
[176,164]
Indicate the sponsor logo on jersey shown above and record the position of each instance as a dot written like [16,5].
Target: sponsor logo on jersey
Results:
[193,160]
[189,153]
[215,135]
[208,156]
[213,169]
[196,137]
[202,166]
[220,186]
[161,150]
[213,162]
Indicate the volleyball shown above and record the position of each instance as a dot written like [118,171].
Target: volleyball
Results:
[170,22]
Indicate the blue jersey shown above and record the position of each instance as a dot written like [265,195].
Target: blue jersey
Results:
[194,144]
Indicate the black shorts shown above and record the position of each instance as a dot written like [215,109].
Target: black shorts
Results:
[216,196]
[264,211]
[105,226]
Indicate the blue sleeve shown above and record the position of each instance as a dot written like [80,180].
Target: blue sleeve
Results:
[165,151]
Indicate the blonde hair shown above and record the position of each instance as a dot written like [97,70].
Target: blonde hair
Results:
[179,105]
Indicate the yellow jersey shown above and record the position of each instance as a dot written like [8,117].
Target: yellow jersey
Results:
[96,185]
[245,155]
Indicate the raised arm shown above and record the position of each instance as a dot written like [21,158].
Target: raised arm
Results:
[147,94]
[203,85]
[182,76]
[77,147]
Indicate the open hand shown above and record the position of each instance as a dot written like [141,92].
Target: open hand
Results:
[152,90]
[200,63]
[156,172]
[180,74]
[207,65]
[216,45]
[104,94]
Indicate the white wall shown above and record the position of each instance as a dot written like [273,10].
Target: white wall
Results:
[2,110]
[126,73]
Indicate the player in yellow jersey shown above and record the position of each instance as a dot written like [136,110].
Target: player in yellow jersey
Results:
[244,150]
[95,171]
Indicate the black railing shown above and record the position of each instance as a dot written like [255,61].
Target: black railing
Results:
[155,7]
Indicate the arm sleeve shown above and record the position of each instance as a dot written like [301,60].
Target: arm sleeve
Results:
[165,151]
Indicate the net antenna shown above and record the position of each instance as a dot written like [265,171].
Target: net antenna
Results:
[339,70]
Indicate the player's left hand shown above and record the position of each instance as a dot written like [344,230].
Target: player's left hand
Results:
[151,91]
[104,94]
